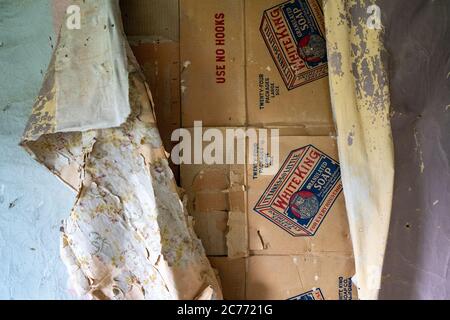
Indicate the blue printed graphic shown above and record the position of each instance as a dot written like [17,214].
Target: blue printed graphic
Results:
[310,295]
[306,202]
[311,45]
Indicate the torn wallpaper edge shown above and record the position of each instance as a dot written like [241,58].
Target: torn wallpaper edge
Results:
[129,235]
[360,102]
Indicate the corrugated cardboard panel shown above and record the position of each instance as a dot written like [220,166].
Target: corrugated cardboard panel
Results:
[269,193]
[217,201]
[262,86]
[232,273]
[269,99]
[280,277]
[157,18]
[315,253]
[213,58]
[210,190]
[300,277]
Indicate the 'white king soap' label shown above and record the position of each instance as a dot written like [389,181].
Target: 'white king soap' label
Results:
[302,192]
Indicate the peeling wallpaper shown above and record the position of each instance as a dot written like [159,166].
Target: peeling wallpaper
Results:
[32,201]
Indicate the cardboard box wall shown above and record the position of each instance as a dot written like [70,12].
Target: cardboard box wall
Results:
[240,241]
[227,36]
[216,190]
[254,93]
[221,197]
[281,277]
[217,200]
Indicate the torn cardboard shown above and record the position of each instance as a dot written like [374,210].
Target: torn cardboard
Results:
[217,200]
[211,190]
[305,192]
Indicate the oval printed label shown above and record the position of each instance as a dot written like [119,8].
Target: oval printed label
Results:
[302,192]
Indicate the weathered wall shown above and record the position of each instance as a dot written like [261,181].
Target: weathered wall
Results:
[417,39]
[32,201]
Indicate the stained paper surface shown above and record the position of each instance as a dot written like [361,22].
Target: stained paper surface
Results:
[91,71]
[360,101]
[129,235]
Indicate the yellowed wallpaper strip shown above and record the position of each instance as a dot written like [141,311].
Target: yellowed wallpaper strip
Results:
[360,101]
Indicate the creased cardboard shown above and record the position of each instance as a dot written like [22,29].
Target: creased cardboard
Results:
[216,194]
[294,219]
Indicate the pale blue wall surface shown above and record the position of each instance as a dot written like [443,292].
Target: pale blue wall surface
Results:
[32,201]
